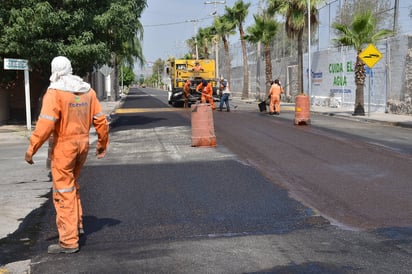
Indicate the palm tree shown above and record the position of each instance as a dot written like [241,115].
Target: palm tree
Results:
[238,14]
[361,31]
[192,44]
[202,47]
[130,50]
[204,38]
[224,27]
[296,16]
[264,30]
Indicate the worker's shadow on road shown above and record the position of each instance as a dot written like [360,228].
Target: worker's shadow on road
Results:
[92,224]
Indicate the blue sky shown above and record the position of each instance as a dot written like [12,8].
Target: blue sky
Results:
[166,28]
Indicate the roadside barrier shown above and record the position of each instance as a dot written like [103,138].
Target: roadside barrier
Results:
[302,108]
[203,131]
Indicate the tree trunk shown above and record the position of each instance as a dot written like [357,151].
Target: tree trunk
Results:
[115,81]
[245,92]
[268,68]
[360,76]
[227,57]
[300,61]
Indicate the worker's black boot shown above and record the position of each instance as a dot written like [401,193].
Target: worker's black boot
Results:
[56,249]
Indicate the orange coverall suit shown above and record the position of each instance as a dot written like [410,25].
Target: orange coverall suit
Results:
[275,91]
[207,94]
[69,116]
[186,93]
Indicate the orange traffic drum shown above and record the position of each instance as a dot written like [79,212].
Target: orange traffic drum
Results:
[302,110]
[203,131]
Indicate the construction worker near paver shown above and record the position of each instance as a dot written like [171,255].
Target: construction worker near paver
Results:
[274,94]
[186,93]
[197,67]
[207,93]
[225,96]
[69,108]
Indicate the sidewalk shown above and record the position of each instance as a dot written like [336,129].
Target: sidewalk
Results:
[375,117]
[23,187]
[379,117]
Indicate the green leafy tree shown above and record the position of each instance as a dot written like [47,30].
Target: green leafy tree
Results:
[39,31]
[158,69]
[237,14]
[141,79]
[127,76]
[296,23]
[121,27]
[188,56]
[264,30]
[224,28]
[191,44]
[89,33]
[361,31]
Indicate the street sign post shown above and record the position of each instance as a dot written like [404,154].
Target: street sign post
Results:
[370,56]
[22,64]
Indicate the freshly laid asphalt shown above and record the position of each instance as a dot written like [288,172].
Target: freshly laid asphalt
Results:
[24,188]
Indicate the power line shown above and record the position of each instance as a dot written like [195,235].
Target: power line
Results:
[164,24]
[176,23]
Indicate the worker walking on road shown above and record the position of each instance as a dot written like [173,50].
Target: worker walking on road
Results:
[225,96]
[207,93]
[274,94]
[186,93]
[70,107]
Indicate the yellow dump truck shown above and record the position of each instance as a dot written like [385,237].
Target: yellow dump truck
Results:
[180,70]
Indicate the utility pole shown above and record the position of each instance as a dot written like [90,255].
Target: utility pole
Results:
[194,21]
[309,52]
[258,53]
[395,16]
[217,40]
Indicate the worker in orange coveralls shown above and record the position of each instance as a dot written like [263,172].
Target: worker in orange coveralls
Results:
[70,107]
[186,93]
[197,67]
[274,95]
[207,93]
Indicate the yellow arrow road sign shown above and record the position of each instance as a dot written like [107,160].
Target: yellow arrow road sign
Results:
[370,56]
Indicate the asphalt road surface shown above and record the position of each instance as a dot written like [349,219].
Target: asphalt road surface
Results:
[348,178]
[270,198]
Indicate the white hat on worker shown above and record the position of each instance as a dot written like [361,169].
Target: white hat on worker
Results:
[63,79]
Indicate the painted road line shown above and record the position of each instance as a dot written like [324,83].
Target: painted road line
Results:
[287,108]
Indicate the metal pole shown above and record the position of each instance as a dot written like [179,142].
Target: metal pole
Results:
[395,16]
[217,41]
[388,73]
[28,101]
[258,49]
[369,95]
[194,21]
[217,59]
[197,51]
[309,64]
